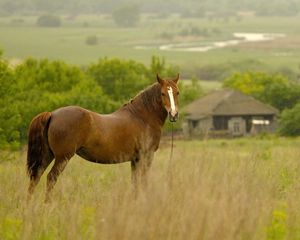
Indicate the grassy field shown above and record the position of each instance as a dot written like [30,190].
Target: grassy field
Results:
[221,189]
[20,38]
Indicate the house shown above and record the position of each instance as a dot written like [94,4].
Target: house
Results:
[228,112]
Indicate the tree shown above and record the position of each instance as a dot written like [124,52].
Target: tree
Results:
[282,96]
[126,16]
[120,79]
[253,83]
[158,66]
[190,92]
[275,90]
[10,118]
[46,85]
[289,121]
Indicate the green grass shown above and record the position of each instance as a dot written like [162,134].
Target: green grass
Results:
[221,189]
[68,42]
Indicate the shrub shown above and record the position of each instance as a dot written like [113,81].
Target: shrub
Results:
[289,122]
[91,40]
[48,21]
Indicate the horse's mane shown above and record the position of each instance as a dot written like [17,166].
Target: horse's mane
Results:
[148,98]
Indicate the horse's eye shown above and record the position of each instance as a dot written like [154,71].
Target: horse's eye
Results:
[162,94]
[177,93]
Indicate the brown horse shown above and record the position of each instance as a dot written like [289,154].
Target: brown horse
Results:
[132,133]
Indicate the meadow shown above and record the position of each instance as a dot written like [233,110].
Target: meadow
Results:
[212,189]
[21,38]
[215,189]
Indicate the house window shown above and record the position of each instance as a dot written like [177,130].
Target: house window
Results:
[220,123]
[194,124]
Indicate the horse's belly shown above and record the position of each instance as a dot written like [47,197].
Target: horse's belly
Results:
[105,156]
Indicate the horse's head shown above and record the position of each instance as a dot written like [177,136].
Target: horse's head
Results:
[169,96]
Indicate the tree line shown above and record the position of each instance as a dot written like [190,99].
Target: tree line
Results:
[190,8]
[35,86]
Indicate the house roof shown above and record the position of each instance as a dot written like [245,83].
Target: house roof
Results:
[227,102]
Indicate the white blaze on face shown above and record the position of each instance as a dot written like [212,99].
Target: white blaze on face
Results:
[172,102]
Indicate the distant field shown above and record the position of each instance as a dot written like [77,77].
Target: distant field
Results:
[207,86]
[20,38]
[221,189]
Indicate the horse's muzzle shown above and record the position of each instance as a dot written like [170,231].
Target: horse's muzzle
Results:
[173,118]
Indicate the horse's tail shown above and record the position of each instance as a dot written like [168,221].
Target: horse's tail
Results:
[38,146]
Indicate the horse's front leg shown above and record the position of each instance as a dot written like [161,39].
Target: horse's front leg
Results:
[140,170]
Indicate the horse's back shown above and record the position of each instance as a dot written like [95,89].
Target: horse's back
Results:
[68,129]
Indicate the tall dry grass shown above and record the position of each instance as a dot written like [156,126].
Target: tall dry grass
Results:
[238,189]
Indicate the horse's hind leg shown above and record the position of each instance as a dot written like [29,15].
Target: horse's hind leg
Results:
[35,180]
[59,165]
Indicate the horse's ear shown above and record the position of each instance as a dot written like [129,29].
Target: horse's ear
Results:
[159,79]
[176,79]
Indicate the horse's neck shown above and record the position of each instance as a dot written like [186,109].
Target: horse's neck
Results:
[150,111]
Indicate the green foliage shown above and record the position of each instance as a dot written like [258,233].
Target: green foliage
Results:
[278,226]
[190,92]
[11,228]
[158,66]
[45,86]
[120,79]
[49,76]
[289,121]
[9,115]
[282,96]
[253,83]
[127,15]
[275,90]
[37,86]
[89,94]
[48,21]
